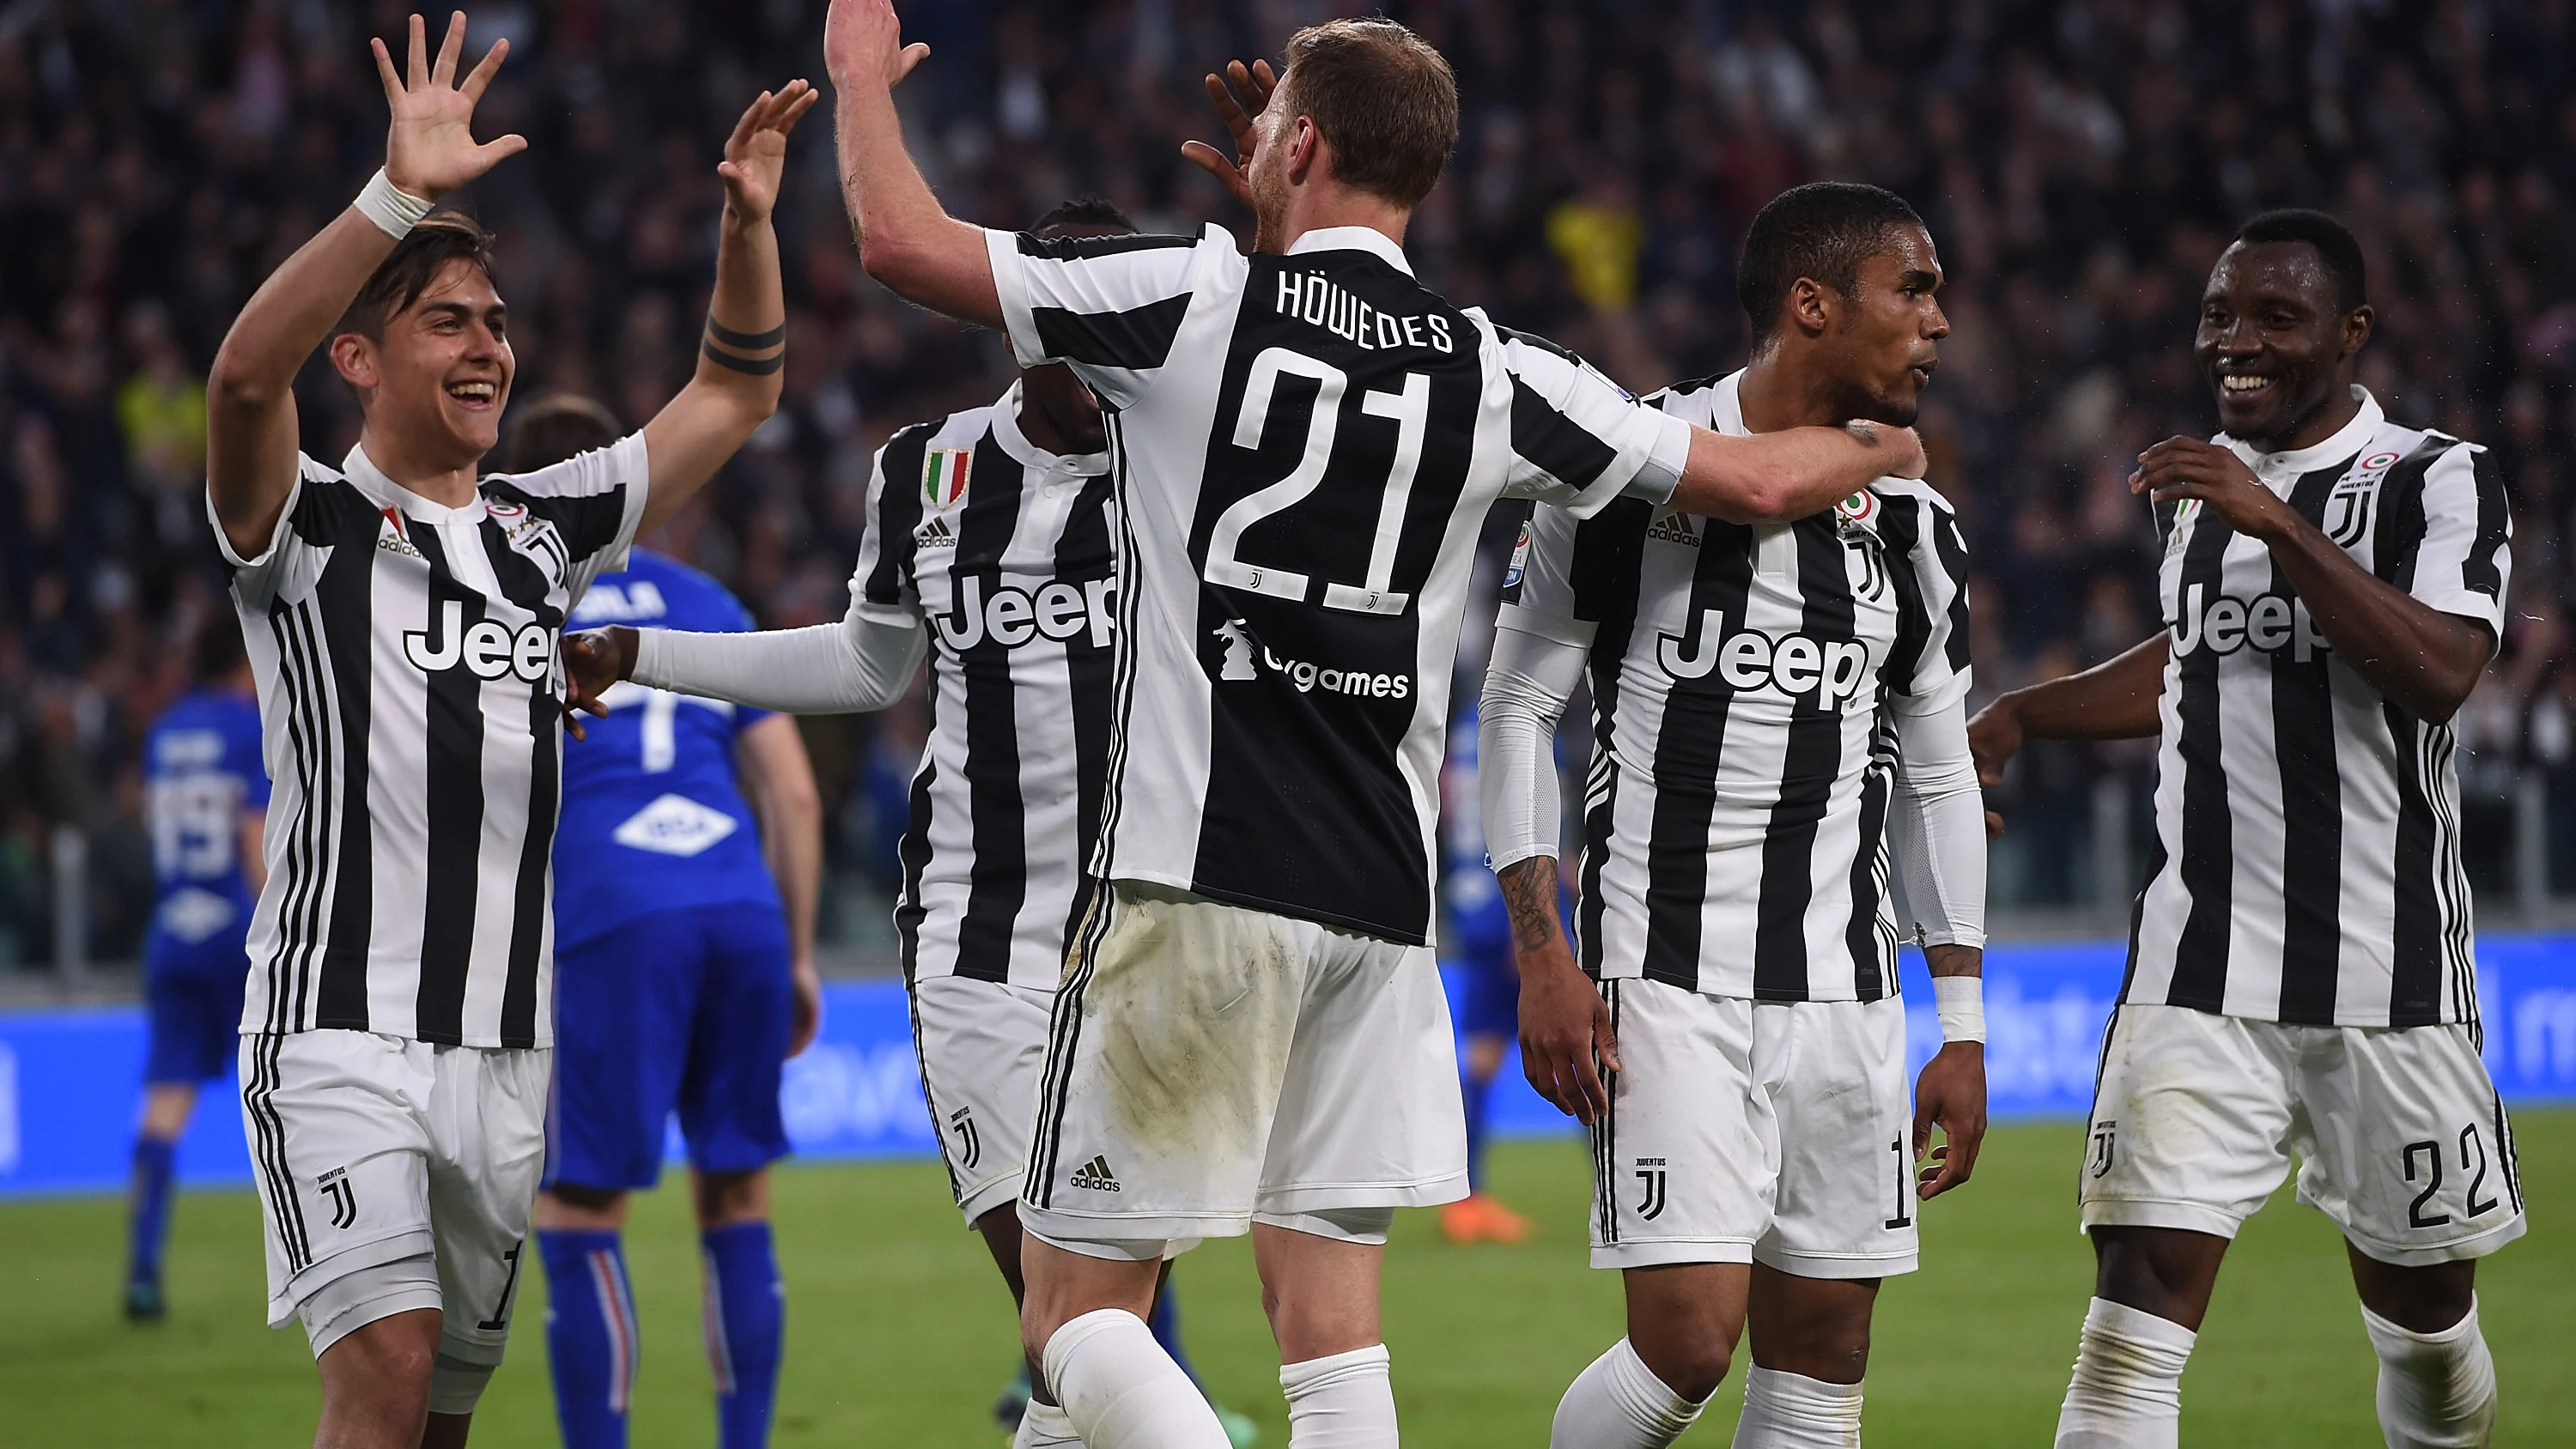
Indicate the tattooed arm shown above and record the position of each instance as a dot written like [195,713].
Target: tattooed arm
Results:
[1565,1025]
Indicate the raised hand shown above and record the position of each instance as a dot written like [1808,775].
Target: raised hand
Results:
[756,152]
[429,148]
[1255,82]
[863,44]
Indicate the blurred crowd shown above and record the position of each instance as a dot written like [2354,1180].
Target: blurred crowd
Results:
[2080,165]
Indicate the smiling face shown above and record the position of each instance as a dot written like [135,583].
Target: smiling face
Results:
[2275,347]
[1884,344]
[434,386]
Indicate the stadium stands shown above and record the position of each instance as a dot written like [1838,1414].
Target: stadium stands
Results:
[2079,164]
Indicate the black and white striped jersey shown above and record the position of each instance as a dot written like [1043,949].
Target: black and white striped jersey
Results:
[1007,554]
[2307,859]
[1305,445]
[411,699]
[1735,808]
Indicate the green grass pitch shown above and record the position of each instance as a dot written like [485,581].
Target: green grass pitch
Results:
[899,1333]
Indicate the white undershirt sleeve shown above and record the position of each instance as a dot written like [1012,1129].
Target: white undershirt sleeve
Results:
[865,662]
[1936,830]
[1527,682]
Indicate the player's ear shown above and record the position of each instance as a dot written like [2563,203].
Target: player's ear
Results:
[2357,325]
[1811,306]
[353,356]
[1305,150]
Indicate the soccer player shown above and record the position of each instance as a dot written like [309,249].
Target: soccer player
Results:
[206,799]
[401,616]
[684,978]
[1489,1015]
[1251,1035]
[990,547]
[1780,788]
[2301,978]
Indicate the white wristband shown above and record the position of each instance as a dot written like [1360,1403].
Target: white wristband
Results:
[1961,1001]
[394,210]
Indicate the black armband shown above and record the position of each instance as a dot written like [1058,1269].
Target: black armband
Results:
[756,366]
[747,341]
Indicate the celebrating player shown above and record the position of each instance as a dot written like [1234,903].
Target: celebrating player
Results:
[2300,975]
[1778,710]
[206,798]
[990,545]
[401,617]
[684,978]
[1251,1035]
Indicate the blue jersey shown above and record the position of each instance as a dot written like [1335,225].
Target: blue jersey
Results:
[202,775]
[652,817]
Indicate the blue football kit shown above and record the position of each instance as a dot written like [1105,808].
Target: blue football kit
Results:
[671,948]
[202,775]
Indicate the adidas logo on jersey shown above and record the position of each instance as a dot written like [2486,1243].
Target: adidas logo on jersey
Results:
[1671,527]
[934,534]
[391,538]
[1095,1175]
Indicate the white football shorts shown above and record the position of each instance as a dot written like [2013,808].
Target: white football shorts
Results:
[983,1046]
[1742,1131]
[1212,1065]
[2400,1136]
[370,1149]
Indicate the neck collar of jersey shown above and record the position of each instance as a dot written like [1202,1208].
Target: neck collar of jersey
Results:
[1353,239]
[362,471]
[1006,431]
[1726,406]
[2348,440]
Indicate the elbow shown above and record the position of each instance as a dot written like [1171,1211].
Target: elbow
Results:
[889,261]
[234,385]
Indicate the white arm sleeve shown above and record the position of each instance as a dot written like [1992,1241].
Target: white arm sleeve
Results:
[1936,832]
[862,663]
[1527,683]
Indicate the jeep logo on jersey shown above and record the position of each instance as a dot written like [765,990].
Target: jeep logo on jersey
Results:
[2268,623]
[943,477]
[488,650]
[1012,617]
[1831,670]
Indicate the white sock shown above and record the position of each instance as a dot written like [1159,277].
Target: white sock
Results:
[1618,1403]
[1044,1426]
[1121,1391]
[2436,1390]
[1340,1401]
[1783,1410]
[2127,1390]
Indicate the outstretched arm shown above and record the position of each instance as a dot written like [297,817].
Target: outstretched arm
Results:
[250,398]
[857,665]
[1787,475]
[907,240]
[736,386]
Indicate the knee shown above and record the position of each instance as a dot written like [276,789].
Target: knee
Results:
[1692,1362]
[2420,1300]
[726,1198]
[1831,1350]
[2166,1272]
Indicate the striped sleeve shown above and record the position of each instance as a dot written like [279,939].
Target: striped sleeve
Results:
[314,515]
[882,588]
[1539,596]
[1110,306]
[2465,558]
[1578,440]
[1927,667]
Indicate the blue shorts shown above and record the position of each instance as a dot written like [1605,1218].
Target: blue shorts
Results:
[1491,1004]
[196,1023]
[686,1010]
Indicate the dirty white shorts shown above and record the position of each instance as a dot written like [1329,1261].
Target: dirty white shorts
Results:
[1211,1065]
[2400,1137]
[1742,1131]
[982,1046]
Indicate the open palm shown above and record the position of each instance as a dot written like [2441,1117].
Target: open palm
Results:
[429,148]
[756,152]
